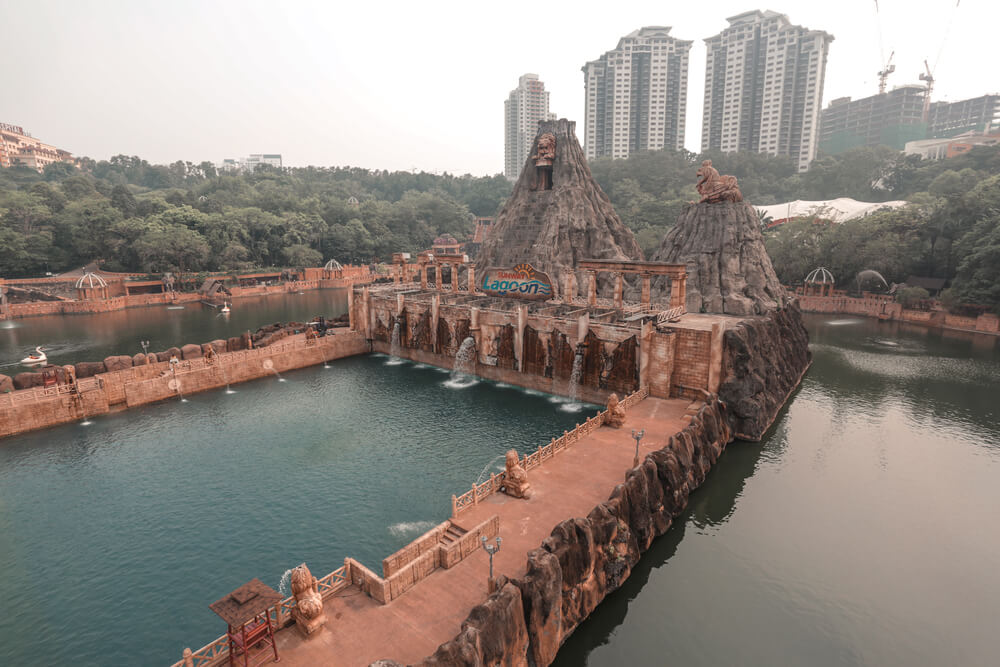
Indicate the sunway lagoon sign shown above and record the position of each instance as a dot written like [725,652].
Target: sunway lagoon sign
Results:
[523,282]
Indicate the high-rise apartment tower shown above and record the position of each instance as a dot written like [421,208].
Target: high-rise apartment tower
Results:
[764,87]
[636,95]
[525,107]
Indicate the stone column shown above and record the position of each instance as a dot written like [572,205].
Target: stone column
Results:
[677,290]
[351,317]
[423,276]
[472,278]
[645,289]
[645,340]
[437,275]
[715,358]
[592,288]
[398,274]
[522,320]
[454,278]
[619,289]
[369,313]
[475,331]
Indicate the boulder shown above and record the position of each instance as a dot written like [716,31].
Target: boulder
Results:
[191,351]
[729,270]
[27,380]
[140,360]
[118,363]
[6,384]
[167,354]
[554,229]
[235,344]
[86,369]
[218,345]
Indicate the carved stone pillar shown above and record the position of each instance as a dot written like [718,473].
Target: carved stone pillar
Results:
[454,278]
[437,275]
[619,289]
[592,288]
[423,276]
[472,278]
[645,289]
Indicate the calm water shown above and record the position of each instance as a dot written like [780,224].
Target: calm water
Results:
[863,531]
[68,339]
[116,536]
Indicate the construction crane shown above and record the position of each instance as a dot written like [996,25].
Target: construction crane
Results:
[884,74]
[929,78]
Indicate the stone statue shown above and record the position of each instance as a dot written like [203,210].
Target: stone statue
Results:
[308,609]
[544,158]
[715,188]
[616,412]
[168,282]
[516,479]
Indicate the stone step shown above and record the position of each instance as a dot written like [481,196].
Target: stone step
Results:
[452,534]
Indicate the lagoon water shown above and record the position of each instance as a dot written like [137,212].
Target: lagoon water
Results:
[861,531]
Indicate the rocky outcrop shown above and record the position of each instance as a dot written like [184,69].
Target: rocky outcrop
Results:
[554,229]
[6,384]
[729,270]
[763,359]
[117,363]
[584,559]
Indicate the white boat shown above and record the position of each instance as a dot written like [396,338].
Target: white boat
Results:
[225,309]
[37,358]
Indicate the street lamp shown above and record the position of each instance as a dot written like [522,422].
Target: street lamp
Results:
[145,346]
[638,436]
[491,550]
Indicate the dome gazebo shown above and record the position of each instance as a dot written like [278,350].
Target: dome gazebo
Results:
[819,282]
[91,286]
[333,269]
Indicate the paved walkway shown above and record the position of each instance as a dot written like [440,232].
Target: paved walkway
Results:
[359,630]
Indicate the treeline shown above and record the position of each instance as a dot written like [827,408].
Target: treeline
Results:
[141,217]
[135,216]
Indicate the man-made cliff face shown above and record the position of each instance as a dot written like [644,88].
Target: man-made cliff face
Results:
[554,229]
[729,270]
[527,619]
[763,359]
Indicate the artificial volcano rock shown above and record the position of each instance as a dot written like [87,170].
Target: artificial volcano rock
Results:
[555,228]
[729,270]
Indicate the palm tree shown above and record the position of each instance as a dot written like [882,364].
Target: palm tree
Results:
[765,219]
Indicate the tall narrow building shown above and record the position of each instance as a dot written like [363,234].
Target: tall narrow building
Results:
[636,95]
[525,107]
[764,87]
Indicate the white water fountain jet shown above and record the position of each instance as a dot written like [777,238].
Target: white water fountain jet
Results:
[394,347]
[488,466]
[225,378]
[269,366]
[463,373]
[284,584]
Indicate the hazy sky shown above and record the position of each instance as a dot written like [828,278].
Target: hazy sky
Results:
[400,85]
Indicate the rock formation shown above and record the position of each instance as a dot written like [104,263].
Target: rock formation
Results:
[516,478]
[308,609]
[729,270]
[554,228]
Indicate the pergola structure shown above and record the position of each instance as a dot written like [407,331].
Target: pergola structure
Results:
[429,260]
[677,273]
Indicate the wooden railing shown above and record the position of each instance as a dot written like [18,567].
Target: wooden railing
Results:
[480,492]
[670,314]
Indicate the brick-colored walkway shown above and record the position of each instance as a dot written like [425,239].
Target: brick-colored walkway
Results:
[411,627]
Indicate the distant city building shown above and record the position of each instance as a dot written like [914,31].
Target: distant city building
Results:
[978,114]
[524,108]
[636,95]
[948,147]
[895,119]
[18,148]
[251,162]
[764,87]
[889,119]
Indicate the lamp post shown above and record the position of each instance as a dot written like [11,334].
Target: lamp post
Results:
[145,346]
[638,436]
[491,550]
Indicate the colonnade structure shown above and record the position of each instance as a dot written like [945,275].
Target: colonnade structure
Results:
[434,262]
[676,273]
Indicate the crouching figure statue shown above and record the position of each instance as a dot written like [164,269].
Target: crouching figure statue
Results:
[308,610]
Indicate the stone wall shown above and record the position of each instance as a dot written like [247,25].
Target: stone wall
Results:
[885,308]
[584,559]
[31,409]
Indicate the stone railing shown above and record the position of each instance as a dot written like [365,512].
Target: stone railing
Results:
[39,394]
[480,492]
[670,314]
